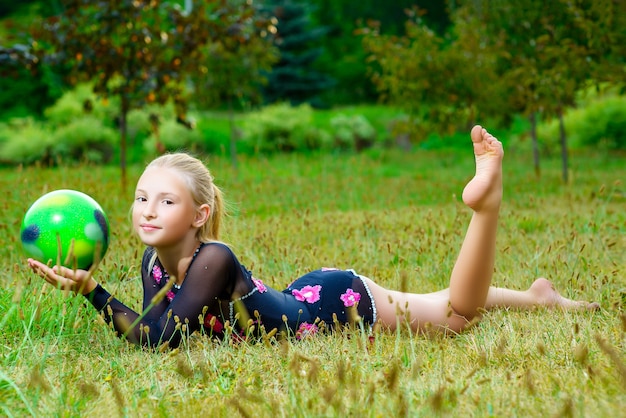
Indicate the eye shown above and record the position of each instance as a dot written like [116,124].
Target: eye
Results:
[168,202]
[140,199]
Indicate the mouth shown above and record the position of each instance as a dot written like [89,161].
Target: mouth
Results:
[149,227]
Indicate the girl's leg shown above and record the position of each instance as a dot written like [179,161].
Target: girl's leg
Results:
[423,312]
[432,311]
[454,308]
[540,293]
[473,270]
[471,276]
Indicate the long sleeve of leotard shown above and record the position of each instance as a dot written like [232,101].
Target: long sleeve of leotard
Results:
[211,275]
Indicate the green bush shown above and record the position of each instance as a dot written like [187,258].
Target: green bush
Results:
[282,127]
[139,125]
[353,132]
[601,123]
[84,139]
[314,138]
[79,102]
[215,130]
[24,141]
[606,124]
[174,137]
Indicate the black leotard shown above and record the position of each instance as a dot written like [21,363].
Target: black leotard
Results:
[217,285]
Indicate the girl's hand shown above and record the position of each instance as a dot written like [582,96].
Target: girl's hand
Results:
[78,281]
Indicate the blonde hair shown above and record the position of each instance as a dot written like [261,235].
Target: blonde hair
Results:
[203,190]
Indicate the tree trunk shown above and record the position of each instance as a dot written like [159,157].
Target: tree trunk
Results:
[233,134]
[564,151]
[533,136]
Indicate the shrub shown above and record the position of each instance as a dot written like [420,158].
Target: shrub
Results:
[605,123]
[314,138]
[174,137]
[24,141]
[140,126]
[215,132]
[601,123]
[84,139]
[281,127]
[352,132]
[79,102]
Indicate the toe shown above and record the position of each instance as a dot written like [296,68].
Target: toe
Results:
[477,133]
[593,306]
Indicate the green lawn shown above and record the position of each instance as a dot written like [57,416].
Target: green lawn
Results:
[396,217]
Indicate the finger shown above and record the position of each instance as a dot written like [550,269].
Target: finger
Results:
[41,270]
[64,272]
[32,263]
[52,278]
[48,276]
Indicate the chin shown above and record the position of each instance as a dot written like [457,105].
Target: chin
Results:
[150,241]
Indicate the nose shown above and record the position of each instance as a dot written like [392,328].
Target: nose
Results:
[148,211]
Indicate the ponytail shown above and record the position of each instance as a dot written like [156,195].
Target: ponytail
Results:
[210,231]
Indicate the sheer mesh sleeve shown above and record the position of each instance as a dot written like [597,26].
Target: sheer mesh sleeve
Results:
[212,275]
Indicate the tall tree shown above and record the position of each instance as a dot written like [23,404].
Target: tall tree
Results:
[138,50]
[529,56]
[437,79]
[344,58]
[549,51]
[232,70]
[26,88]
[293,78]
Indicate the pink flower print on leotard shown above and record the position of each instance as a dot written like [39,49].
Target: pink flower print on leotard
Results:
[259,285]
[350,298]
[311,294]
[306,330]
[157,274]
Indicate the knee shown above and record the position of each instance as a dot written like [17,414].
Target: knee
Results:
[461,321]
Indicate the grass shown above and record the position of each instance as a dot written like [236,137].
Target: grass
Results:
[393,216]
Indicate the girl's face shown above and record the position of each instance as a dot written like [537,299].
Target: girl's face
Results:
[164,213]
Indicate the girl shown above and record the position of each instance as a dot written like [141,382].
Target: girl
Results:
[191,281]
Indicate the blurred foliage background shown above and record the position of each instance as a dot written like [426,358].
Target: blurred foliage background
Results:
[119,81]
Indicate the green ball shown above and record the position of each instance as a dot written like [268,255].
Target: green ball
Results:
[65,223]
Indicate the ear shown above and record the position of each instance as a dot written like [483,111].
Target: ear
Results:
[202,216]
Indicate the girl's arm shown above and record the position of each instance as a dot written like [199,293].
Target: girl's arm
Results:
[77,281]
[82,282]
[212,274]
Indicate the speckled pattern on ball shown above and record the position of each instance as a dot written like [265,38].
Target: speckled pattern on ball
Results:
[71,218]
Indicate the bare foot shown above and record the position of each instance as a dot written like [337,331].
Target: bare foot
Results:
[546,295]
[484,191]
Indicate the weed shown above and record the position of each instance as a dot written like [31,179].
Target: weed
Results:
[392,216]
